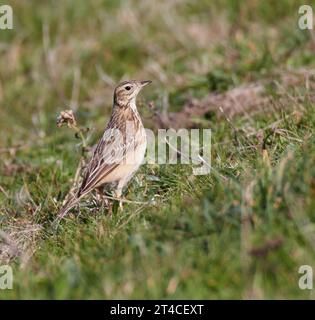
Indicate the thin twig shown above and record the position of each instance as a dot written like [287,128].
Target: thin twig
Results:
[4,192]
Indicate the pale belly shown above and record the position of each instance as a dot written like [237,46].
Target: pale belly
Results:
[128,167]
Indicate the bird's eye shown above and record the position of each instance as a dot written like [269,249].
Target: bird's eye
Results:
[128,88]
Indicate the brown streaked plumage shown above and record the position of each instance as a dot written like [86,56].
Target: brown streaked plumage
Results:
[120,151]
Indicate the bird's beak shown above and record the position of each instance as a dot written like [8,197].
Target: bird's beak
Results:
[144,83]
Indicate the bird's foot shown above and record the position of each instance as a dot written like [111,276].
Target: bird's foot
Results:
[104,202]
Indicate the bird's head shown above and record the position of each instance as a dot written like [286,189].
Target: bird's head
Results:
[126,92]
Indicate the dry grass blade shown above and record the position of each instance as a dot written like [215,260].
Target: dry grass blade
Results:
[4,192]
[19,241]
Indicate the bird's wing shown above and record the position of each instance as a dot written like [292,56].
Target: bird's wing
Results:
[107,156]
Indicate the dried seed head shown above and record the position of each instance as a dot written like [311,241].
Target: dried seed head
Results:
[66,117]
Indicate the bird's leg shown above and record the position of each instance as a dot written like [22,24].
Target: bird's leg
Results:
[101,196]
[118,193]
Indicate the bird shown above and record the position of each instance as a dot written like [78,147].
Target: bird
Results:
[120,151]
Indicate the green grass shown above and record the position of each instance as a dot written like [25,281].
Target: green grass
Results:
[242,231]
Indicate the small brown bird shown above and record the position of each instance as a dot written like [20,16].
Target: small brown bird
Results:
[120,151]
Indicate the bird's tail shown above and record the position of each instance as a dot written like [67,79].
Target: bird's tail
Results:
[71,202]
